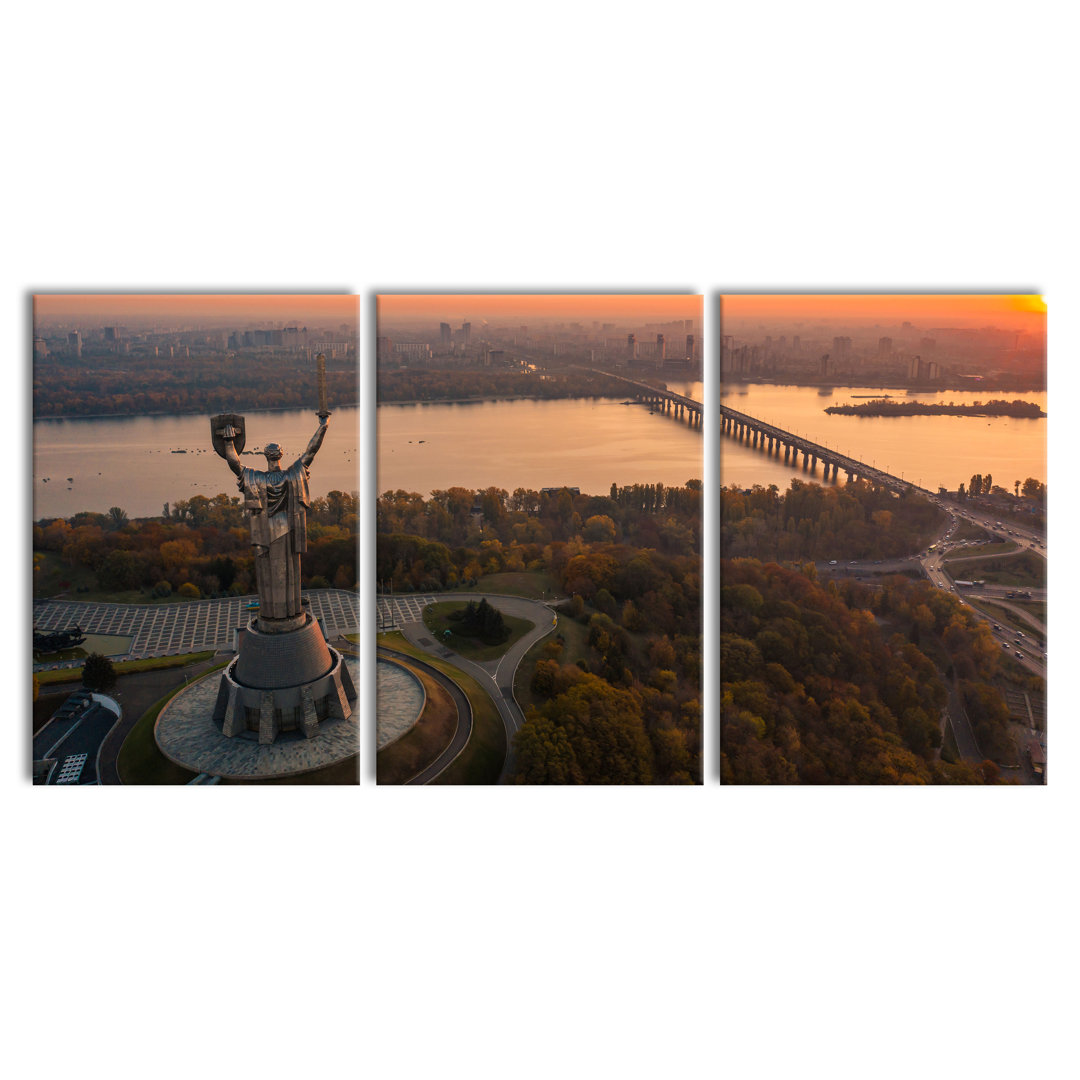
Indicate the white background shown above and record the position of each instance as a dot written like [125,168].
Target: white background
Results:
[298,932]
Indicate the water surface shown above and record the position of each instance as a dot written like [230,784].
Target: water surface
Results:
[588,443]
[96,463]
[932,451]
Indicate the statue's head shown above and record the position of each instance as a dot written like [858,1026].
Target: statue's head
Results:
[272,452]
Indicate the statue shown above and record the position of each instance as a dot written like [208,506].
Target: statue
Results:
[277,502]
[285,676]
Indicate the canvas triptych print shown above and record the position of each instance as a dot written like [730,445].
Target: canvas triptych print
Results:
[562,585]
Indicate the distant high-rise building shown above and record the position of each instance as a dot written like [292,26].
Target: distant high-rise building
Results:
[932,371]
[466,333]
[841,349]
[795,344]
[384,349]
[41,350]
[631,348]
[824,366]
[915,369]
[690,346]
[75,344]
[660,349]
[413,350]
[111,333]
[884,348]
[332,350]
[445,335]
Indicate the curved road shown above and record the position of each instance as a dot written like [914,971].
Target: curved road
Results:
[462,732]
[496,676]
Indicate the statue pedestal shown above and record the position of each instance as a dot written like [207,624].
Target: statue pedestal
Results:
[281,681]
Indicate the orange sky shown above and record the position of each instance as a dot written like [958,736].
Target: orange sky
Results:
[554,306]
[1003,311]
[183,308]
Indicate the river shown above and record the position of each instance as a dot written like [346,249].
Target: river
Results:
[95,463]
[587,443]
[932,451]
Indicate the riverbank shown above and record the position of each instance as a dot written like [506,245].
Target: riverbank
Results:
[1024,410]
[139,415]
[507,397]
[984,387]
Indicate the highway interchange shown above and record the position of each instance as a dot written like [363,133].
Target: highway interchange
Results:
[1030,655]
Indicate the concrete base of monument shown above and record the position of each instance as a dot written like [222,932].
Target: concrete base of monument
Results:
[282,682]
[187,735]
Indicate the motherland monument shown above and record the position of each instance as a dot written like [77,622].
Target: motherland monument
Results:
[285,677]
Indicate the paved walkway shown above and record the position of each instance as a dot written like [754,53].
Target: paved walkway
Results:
[392,611]
[172,629]
[185,735]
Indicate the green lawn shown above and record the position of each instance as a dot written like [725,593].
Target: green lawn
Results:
[534,585]
[425,740]
[437,620]
[1003,617]
[482,759]
[1025,569]
[968,530]
[140,761]
[124,667]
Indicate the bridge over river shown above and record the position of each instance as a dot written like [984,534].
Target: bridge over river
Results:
[772,440]
[678,405]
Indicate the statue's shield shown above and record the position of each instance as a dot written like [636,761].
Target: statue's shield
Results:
[219,423]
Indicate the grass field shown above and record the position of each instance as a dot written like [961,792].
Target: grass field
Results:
[124,667]
[1003,617]
[140,761]
[1023,569]
[482,759]
[437,620]
[424,741]
[531,585]
[1002,547]
[968,530]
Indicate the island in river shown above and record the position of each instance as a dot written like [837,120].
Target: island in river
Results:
[1028,410]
